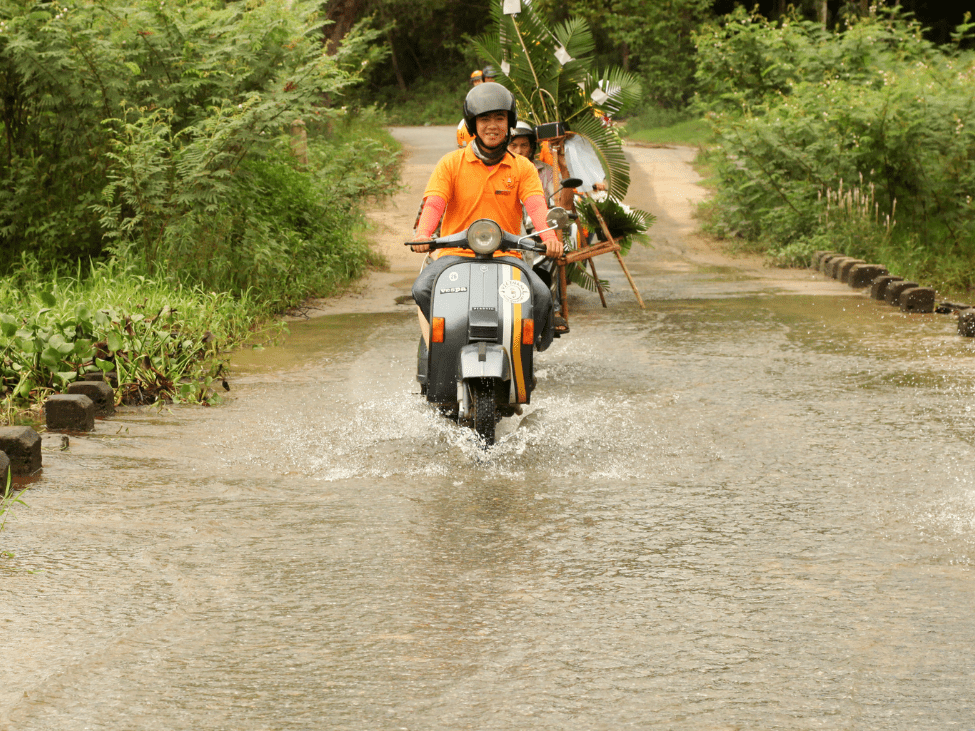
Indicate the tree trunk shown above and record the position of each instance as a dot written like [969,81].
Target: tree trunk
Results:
[343,14]
[823,12]
[396,69]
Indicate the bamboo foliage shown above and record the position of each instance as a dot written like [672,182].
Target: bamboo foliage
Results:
[554,77]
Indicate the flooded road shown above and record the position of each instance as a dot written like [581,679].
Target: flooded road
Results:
[749,506]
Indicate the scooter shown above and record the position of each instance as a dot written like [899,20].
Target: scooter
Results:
[479,366]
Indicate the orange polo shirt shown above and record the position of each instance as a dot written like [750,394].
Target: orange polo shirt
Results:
[474,191]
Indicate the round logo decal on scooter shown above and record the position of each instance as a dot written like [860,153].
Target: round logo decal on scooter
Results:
[514,291]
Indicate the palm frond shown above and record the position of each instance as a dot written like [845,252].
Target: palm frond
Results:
[547,89]
[578,274]
[622,88]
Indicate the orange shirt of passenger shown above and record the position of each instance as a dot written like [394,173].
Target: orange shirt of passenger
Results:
[474,191]
[545,153]
[463,136]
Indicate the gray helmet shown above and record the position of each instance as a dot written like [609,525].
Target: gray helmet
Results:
[523,129]
[488,98]
[489,72]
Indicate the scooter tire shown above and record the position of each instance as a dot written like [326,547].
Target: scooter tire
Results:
[485,409]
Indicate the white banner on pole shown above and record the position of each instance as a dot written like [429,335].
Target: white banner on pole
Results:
[599,96]
[511,7]
[562,56]
[582,160]
[505,68]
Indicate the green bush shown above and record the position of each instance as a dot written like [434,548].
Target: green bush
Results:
[136,127]
[874,110]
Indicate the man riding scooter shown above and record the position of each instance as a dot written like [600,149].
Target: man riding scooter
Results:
[484,180]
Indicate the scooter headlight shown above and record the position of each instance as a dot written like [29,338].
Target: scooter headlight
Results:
[484,236]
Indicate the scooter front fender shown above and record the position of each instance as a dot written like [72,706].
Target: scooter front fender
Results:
[483,360]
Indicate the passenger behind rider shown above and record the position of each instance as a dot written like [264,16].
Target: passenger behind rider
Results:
[524,142]
[484,180]
[463,138]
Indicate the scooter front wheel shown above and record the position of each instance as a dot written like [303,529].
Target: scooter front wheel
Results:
[485,409]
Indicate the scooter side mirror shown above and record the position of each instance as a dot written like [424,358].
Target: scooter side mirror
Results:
[557,218]
[571,183]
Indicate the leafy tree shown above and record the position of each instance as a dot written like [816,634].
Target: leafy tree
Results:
[136,124]
[422,38]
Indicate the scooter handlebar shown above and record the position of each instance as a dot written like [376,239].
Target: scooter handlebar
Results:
[522,243]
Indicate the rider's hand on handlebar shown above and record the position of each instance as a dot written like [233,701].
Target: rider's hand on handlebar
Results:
[421,248]
[553,248]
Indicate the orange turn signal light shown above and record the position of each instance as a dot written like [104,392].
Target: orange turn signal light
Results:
[436,330]
[527,332]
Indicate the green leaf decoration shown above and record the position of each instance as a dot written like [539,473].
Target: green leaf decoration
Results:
[529,58]
[623,222]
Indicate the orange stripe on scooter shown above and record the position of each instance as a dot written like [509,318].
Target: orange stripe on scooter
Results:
[516,330]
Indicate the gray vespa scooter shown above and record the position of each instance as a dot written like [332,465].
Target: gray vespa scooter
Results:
[479,366]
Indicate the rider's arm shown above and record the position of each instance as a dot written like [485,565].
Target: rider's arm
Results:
[433,208]
[537,210]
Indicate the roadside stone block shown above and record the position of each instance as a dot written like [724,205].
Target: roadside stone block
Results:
[879,286]
[845,269]
[22,445]
[825,259]
[917,299]
[862,275]
[99,392]
[72,412]
[832,267]
[893,292]
[818,257]
[4,471]
[111,378]
[966,323]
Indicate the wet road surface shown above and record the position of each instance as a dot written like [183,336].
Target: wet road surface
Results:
[749,506]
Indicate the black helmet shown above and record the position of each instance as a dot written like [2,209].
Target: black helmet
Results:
[489,72]
[488,98]
[523,129]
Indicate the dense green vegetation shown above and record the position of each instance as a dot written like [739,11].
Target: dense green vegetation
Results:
[859,140]
[835,125]
[173,174]
[158,195]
